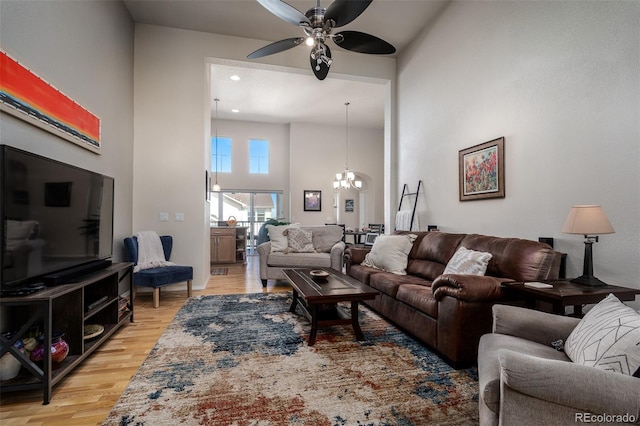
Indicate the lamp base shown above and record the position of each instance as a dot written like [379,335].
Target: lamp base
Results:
[589,280]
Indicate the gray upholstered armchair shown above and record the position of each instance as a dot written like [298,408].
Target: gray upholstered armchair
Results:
[526,381]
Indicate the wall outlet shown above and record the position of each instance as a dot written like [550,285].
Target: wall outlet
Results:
[179,217]
[164,217]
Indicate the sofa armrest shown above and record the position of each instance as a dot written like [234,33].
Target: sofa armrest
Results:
[579,388]
[470,288]
[337,255]
[539,327]
[263,254]
[355,255]
[264,249]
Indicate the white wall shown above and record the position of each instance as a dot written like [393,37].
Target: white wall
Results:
[85,50]
[318,153]
[173,129]
[240,132]
[559,80]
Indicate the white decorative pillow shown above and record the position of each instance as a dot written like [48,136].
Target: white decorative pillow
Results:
[21,230]
[278,237]
[608,337]
[390,253]
[299,240]
[468,262]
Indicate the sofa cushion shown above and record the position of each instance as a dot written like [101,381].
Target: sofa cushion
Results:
[325,237]
[363,273]
[489,364]
[515,258]
[468,262]
[431,254]
[299,260]
[608,337]
[419,297]
[389,283]
[390,253]
[299,241]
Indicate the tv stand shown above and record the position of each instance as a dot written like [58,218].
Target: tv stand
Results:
[96,299]
[75,273]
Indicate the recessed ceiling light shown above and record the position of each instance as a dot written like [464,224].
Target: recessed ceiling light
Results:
[235,110]
[235,77]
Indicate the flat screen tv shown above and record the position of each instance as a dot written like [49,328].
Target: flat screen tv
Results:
[57,221]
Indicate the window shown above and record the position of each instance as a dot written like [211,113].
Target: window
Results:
[222,163]
[259,156]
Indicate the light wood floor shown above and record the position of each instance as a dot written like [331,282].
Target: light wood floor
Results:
[85,396]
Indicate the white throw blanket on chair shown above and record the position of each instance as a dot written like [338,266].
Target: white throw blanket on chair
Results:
[150,252]
[403,221]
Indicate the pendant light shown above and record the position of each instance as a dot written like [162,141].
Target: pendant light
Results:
[347,179]
[216,187]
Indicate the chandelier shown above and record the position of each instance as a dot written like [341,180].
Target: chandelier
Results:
[346,179]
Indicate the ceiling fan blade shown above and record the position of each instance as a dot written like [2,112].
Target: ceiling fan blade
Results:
[344,11]
[277,47]
[363,43]
[320,69]
[284,11]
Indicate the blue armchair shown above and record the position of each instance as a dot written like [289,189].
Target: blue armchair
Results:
[157,277]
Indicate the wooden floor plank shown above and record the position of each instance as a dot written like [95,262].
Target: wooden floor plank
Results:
[86,395]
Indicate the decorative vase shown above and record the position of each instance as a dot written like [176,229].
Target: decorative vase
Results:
[9,365]
[231,221]
[59,349]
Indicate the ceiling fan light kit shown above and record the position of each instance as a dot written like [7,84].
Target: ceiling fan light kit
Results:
[318,24]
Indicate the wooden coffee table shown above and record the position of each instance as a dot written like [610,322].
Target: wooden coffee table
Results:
[319,297]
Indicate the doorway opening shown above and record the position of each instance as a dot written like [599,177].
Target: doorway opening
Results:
[251,209]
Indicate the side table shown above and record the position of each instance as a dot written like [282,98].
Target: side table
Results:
[565,293]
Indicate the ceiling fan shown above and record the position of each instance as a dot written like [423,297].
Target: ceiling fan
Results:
[317,24]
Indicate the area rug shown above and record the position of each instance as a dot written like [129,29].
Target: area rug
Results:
[243,360]
[219,271]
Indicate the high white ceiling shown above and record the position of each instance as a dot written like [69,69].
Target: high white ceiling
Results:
[271,95]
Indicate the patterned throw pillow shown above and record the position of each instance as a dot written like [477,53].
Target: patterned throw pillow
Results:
[300,241]
[468,262]
[608,337]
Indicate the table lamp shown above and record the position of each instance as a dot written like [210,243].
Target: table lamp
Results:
[588,220]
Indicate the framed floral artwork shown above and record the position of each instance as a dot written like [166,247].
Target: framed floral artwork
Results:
[481,171]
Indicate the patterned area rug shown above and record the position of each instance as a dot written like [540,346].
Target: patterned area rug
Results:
[243,360]
[219,271]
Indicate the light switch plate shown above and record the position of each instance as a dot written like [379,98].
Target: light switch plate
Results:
[179,217]
[164,217]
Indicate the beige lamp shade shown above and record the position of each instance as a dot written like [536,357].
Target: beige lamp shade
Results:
[587,220]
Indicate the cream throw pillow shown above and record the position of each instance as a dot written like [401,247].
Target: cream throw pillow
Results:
[390,253]
[278,237]
[299,240]
[608,337]
[468,262]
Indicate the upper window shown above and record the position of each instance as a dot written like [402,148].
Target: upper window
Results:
[221,161]
[259,156]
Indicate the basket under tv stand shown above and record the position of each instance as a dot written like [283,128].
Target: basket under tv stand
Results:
[94,298]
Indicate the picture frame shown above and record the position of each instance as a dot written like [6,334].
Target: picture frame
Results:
[370,238]
[30,98]
[481,171]
[312,200]
[349,205]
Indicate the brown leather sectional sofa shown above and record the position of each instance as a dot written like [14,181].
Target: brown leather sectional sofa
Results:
[450,312]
